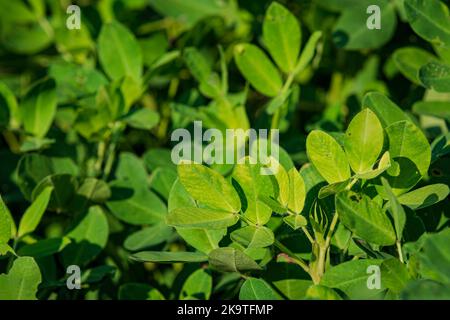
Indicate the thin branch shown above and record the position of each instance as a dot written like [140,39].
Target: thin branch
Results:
[292,256]
[400,253]
[308,235]
[330,231]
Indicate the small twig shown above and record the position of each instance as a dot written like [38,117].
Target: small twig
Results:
[400,253]
[292,257]
[330,231]
[308,235]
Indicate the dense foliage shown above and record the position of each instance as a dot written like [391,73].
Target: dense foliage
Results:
[358,209]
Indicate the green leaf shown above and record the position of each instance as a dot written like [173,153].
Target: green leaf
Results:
[201,218]
[34,213]
[119,52]
[318,292]
[425,196]
[327,156]
[44,248]
[308,52]
[8,107]
[333,188]
[257,289]
[363,141]
[383,165]
[73,80]
[26,38]
[64,189]
[198,286]
[410,150]
[282,178]
[6,249]
[351,277]
[440,147]
[282,36]
[365,218]
[394,275]
[135,205]
[203,240]
[38,108]
[197,64]
[32,168]
[297,191]
[273,204]
[145,119]
[435,257]
[153,47]
[22,280]
[351,31]
[148,237]
[409,60]
[139,291]
[438,109]
[254,185]
[430,20]
[209,81]
[188,12]
[436,76]
[258,69]
[131,169]
[209,187]
[5,223]
[387,111]
[231,260]
[162,180]
[295,221]
[425,290]
[396,210]
[98,274]
[168,257]
[91,191]
[89,234]
[253,237]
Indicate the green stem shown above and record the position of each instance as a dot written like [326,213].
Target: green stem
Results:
[115,136]
[277,115]
[101,149]
[308,235]
[400,253]
[330,231]
[292,256]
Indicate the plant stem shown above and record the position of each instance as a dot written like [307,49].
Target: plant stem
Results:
[400,253]
[100,157]
[12,141]
[292,256]
[115,135]
[275,124]
[320,251]
[308,235]
[330,231]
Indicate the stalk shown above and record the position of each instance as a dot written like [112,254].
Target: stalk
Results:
[292,256]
